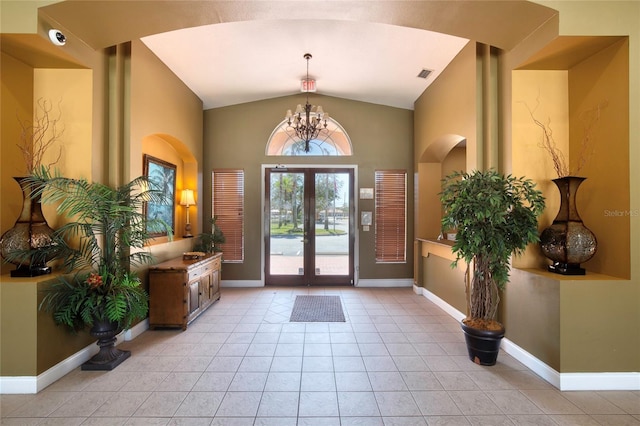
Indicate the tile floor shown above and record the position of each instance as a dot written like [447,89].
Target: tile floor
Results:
[398,360]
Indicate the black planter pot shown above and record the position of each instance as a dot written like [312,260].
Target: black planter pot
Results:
[483,345]
[109,356]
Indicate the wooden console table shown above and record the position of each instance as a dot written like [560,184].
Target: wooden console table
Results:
[180,290]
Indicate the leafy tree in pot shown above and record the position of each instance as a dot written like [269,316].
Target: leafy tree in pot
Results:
[495,216]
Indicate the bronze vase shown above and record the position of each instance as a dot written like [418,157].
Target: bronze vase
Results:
[567,242]
[30,232]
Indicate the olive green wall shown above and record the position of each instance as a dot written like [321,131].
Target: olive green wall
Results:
[236,137]
[532,315]
[446,283]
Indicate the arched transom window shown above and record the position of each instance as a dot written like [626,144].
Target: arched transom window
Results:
[332,141]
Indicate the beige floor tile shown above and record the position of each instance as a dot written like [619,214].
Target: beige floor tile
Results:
[394,404]
[161,404]
[358,404]
[397,360]
[551,402]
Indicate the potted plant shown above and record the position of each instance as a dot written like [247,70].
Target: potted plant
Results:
[104,238]
[495,216]
[209,242]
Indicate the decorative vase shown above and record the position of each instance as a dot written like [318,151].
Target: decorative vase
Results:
[482,345]
[567,242]
[109,357]
[30,232]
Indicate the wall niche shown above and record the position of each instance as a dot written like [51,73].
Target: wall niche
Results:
[562,86]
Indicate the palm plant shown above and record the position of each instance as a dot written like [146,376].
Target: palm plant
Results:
[209,242]
[104,238]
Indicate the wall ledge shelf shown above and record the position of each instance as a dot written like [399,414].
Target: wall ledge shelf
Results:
[589,276]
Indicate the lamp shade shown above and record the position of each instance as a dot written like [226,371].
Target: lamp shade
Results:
[186,198]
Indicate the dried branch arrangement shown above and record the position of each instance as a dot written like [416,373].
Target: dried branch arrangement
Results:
[589,119]
[39,135]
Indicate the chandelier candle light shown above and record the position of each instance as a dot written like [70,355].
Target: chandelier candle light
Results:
[186,199]
[307,121]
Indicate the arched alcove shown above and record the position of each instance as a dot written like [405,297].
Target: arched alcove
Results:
[172,150]
[443,156]
[331,141]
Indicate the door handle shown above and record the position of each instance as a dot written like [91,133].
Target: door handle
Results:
[304,240]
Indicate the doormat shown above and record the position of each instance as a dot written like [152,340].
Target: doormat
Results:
[317,309]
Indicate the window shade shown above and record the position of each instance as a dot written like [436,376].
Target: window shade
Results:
[390,215]
[228,207]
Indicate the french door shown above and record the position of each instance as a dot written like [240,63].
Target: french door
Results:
[309,226]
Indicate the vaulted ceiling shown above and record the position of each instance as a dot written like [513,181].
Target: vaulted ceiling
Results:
[231,52]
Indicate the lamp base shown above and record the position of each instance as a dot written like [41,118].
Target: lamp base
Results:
[187,231]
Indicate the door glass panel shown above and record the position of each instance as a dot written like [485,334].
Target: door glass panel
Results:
[287,235]
[332,223]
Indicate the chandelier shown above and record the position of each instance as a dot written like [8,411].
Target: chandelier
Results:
[307,121]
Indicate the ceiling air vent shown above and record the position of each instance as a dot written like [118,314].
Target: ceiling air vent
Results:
[424,73]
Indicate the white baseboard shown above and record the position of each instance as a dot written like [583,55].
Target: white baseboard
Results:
[534,364]
[391,282]
[34,384]
[134,331]
[563,381]
[600,381]
[241,283]
[440,303]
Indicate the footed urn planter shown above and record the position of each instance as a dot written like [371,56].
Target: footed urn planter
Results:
[482,345]
[567,242]
[30,232]
[109,357]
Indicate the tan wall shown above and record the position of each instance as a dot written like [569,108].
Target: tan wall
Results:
[565,321]
[603,199]
[174,113]
[446,109]
[446,283]
[16,97]
[455,161]
[166,122]
[448,106]
[587,312]
[381,137]
[546,94]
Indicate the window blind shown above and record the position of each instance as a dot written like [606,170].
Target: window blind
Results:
[228,207]
[390,216]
